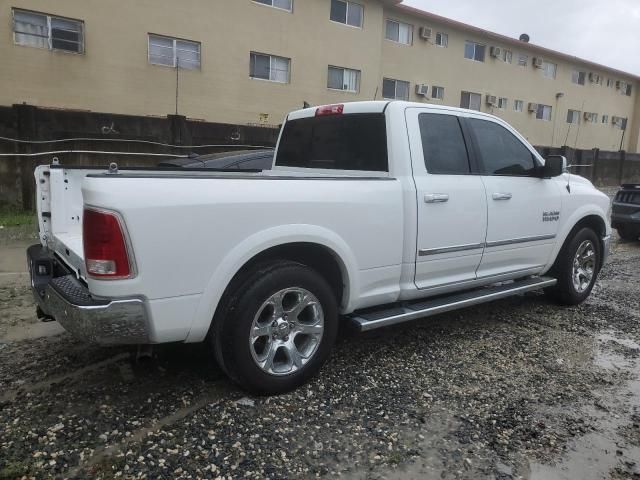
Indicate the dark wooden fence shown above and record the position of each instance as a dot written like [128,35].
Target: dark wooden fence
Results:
[113,133]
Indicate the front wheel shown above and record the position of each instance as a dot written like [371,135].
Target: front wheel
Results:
[279,328]
[576,268]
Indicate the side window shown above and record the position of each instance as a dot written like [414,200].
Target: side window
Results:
[501,152]
[443,145]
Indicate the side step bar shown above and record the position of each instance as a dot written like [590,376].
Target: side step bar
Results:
[400,313]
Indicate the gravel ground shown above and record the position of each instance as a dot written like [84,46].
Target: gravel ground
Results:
[519,388]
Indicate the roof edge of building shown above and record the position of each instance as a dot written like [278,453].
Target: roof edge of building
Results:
[397,5]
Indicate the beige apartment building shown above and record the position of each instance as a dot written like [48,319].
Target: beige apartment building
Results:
[252,61]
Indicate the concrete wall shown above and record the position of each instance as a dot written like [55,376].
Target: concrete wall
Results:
[32,123]
[114,75]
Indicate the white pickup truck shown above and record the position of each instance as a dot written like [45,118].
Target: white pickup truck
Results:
[374,213]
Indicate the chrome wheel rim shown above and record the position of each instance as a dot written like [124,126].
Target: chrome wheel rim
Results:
[286,331]
[584,266]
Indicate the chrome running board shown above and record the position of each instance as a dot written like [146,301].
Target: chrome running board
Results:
[390,315]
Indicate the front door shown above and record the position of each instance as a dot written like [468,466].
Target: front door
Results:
[524,209]
[451,202]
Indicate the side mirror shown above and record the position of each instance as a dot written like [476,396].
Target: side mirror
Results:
[554,166]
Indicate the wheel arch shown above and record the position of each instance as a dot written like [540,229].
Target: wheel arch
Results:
[320,249]
[593,220]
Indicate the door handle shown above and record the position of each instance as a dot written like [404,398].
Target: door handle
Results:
[436,197]
[502,196]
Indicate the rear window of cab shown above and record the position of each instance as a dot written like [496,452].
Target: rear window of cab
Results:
[355,141]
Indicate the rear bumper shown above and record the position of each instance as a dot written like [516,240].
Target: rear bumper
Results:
[60,295]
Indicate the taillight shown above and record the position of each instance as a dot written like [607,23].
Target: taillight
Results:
[329,110]
[105,248]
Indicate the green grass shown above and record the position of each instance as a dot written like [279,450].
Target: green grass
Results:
[16,218]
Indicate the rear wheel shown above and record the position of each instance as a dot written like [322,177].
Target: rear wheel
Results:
[279,328]
[576,268]
[628,232]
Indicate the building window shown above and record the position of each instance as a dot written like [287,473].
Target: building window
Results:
[573,116]
[591,117]
[282,4]
[549,69]
[507,56]
[442,39]
[503,103]
[578,77]
[627,90]
[46,31]
[474,51]
[349,13]
[518,105]
[343,79]
[610,83]
[437,92]
[544,112]
[619,122]
[269,67]
[470,100]
[173,52]
[605,118]
[399,32]
[395,89]
[523,60]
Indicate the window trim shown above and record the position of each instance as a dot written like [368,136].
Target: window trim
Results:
[550,112]
[442,35]
[574,113]
[174,50]
[469,107]
[544,70]
[577,82]
[395,90]
[49,37]
[358,80]
[271,57]
[398,42]
[361,27]
[290,10]
[433,97]
[475,45]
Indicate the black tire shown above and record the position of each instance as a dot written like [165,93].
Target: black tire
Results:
[232,328]
[565,292]
[628,232]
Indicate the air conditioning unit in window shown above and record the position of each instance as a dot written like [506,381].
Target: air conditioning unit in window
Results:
[533,107]
[422,89]
[495,52]
[537,62]
[492,100]
[586,116]
[425,33]
[594,77]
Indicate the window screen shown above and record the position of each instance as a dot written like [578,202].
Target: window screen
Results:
[341,142]
[443,145]
[501,152]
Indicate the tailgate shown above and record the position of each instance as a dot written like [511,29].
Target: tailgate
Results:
[59,209]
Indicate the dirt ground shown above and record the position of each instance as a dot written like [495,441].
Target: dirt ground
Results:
[519,388]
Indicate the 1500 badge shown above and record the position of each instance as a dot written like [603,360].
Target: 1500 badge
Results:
[550,216]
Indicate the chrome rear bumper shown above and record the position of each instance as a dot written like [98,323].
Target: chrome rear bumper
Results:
[60,295]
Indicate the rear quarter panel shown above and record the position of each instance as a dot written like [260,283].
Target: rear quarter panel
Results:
[191,235]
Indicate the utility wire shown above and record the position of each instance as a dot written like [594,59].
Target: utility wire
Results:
[147,142]
[41,154]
